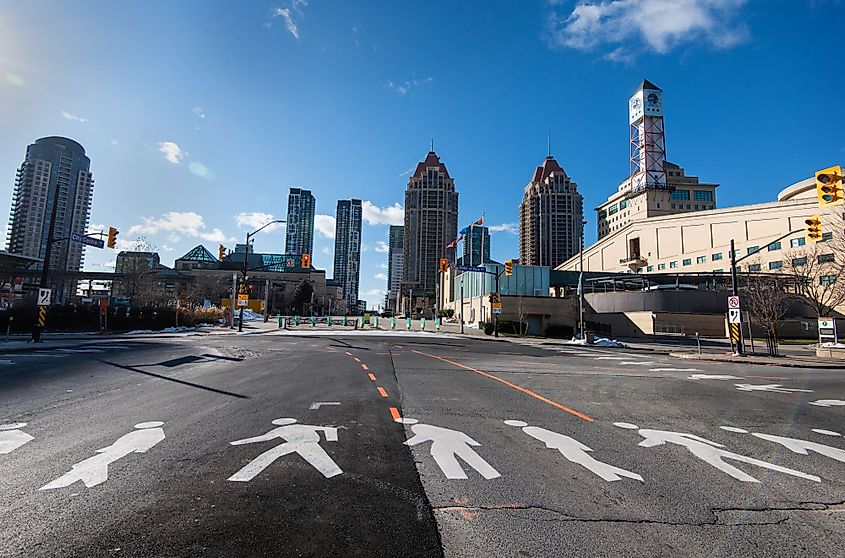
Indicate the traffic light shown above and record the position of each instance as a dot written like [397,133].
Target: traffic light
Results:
[814,228]
[306,261]
[444,265]
[112,239]
[221,251]
[829,186]
[508,267]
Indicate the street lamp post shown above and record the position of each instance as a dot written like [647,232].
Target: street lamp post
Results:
[244,269]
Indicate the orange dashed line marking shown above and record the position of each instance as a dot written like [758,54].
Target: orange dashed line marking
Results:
[357,359]
[394,412]
[365,367]
[372,377]
[382,392]
[510,385]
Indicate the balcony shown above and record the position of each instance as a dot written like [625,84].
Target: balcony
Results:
[634,262]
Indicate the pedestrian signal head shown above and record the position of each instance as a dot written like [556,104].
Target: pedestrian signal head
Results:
[829,186]
[112,238]
[814,228]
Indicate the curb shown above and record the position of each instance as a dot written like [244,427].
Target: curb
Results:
[747,360]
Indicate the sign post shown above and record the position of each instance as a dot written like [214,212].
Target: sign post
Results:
[735,323]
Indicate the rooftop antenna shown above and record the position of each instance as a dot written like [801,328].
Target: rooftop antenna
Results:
[432,142]
[550,142]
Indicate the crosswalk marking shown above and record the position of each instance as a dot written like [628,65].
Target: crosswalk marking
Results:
[674,370]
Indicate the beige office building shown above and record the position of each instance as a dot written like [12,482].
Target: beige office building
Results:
[699,241]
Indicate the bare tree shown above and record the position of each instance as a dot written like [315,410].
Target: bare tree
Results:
[767,299]
[818,272]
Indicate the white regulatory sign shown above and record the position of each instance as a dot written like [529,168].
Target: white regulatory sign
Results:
[733,316]
[44,297]
[733,302]
[825,323]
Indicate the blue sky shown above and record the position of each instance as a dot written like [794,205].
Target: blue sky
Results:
[200,115]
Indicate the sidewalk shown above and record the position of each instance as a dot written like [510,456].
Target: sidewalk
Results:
[788,361]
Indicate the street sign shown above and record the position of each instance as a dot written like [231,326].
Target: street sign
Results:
[472,268]
[243,300]
[87,240]
[497,310]
[827,330]
[734,316]
[44,297]
[733,302]
[497,305]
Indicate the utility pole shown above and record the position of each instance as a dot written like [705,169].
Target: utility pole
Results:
[462,306]
[740,346]
[496,316]
[48,253]
[581,285]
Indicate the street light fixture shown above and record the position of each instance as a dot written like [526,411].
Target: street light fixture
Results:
[244,270]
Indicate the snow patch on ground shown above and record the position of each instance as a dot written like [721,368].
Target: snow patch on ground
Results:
[180,329]
[598,342]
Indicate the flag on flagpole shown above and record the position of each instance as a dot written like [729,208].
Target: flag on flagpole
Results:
[479,222]
[464,231]
[454,243]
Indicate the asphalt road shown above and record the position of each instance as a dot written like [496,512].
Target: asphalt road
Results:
[606,452]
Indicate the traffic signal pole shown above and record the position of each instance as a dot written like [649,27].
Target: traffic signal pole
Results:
[740,346]
[496,316]
[48,253]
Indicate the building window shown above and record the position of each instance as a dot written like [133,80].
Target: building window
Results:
[673,265]
[827,280]
[716,257]
[826,258]
[661,267]
[775,265]
[773,246]
[720,270]
[602,214]
[754,267]
[612,209]
[753,250]
[673,206]
[680,194]
[702,195]
[797,262]
[826,236]
[687,262]
[696,207]
[688,206]
[650,268]
[700,259]
[623,204]
[796,242]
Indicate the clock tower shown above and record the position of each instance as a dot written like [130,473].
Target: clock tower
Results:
[648,141]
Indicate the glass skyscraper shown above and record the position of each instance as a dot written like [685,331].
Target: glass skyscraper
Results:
[347,250]
[299,235]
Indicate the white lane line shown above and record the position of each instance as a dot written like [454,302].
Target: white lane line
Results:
[26,355]
[638,363]
[79,350]
[674,370]
[6,362]
[609,358]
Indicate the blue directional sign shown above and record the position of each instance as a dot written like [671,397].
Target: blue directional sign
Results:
[472,268]
[87,240]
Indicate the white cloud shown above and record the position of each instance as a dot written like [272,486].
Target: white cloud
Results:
[256,220]
[290,15]
[96,227]
[133,245]
[69,116]
[187,223]
[405,87]
[382,247]
[375,215]
[653,25]
[325,225]
[198,112]
[380,276]
[509,228]
[326,251]
[383,265]
[172,152]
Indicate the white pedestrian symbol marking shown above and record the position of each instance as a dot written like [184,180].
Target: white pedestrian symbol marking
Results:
[574,451]
[774,388]
[710,452]
[828,403]
[95,469]
[12,437]
[803,446]
[301,439]
[446,446]
[713,377]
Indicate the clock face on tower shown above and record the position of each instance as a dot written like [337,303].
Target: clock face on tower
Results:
[653,99]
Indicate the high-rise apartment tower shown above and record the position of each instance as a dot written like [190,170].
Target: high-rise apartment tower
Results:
[52,164]
[299,236]
[347,249]
[550,217]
